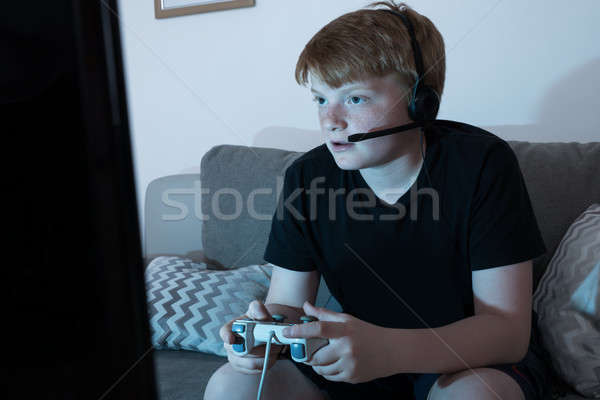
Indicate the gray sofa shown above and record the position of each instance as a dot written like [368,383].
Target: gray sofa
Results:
[562,179]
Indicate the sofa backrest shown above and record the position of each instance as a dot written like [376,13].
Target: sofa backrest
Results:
[562,180]
[237,226]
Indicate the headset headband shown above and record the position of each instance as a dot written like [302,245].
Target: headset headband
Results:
[413,41]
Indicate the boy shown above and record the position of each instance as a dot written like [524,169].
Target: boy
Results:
[435,283]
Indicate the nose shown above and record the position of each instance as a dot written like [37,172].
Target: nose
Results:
[334,120]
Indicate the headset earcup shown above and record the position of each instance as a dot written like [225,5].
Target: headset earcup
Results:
[425,104]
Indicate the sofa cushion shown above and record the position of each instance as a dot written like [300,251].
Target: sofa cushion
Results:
[240,186]
[188,303]
[567,301]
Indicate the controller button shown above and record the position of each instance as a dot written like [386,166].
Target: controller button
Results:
[306,319]
[297,350]
[238,328]
[278,317]
[239,347]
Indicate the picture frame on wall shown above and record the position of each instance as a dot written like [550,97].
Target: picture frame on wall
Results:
[175,8]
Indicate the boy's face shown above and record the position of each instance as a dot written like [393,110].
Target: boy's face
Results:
[358,107]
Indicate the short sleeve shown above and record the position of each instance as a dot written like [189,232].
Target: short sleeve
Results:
[502,226]
[288,245]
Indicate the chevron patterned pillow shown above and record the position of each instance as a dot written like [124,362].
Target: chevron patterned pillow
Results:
[568,305]
[188,303]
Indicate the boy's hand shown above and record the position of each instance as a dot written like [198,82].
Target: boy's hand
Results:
[356,351]
[252,363]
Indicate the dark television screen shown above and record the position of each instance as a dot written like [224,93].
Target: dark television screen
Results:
[74,321]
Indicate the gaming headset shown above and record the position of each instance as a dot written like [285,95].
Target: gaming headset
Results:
[424,102]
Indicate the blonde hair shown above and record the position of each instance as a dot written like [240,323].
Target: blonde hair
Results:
[371,43]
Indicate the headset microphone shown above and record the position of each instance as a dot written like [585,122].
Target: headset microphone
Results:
[357,137]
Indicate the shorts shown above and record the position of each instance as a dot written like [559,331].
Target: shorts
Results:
[530,373]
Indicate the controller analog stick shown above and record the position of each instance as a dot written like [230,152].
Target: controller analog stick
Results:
[278,317]
[306,319]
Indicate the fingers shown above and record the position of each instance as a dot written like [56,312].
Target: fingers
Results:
[316,329]
[330,372]
[258,311]
[244,364]
[225,332]
[323,314]
[336,377]
[327,363]
[330,324]
[253,362]
[326,355]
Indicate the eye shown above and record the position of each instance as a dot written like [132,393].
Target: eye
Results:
[357,98]
[318,99]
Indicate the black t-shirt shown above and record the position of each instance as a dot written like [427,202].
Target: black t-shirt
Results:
[407,265]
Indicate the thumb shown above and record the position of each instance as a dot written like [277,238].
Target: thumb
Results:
[258,311]
[322,314]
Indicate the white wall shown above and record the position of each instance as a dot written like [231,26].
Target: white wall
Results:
[525,70]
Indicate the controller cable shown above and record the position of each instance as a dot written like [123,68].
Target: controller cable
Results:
[267,352]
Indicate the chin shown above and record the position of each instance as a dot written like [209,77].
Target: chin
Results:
[348,165]
[347,160]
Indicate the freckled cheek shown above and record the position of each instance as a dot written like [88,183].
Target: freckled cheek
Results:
[369,120]
[321,117]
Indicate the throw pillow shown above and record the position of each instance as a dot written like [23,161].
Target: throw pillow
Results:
[568,305]
[188,303]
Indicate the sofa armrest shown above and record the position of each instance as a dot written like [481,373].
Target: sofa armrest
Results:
[173,217]
[173,224]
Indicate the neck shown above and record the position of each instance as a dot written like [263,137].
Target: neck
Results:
[397,175]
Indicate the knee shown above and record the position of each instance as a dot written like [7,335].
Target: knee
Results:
[220,383]
[478,383]
[456,386]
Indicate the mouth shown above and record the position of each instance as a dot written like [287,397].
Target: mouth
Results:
[339,145]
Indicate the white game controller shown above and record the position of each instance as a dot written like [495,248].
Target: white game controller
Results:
[250,333]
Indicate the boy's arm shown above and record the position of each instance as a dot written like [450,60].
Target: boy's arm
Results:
[289,290]
[498,333]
